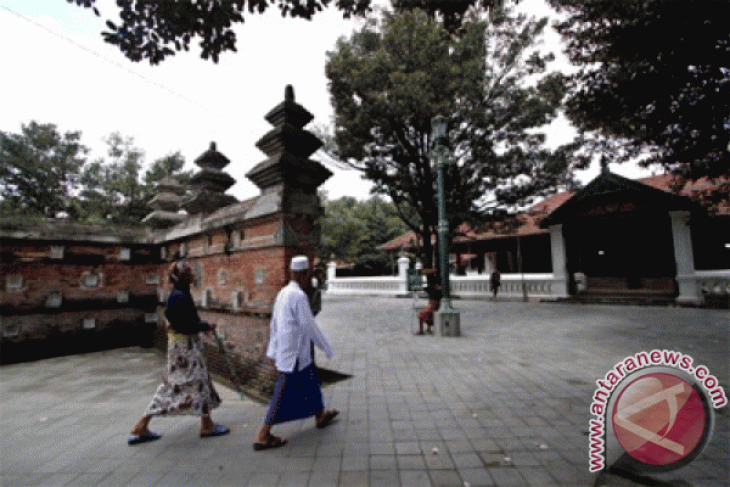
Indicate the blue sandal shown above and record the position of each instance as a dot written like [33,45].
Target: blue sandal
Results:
[217,430]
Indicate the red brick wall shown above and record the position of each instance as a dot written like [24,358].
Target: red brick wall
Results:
[47,314]
[241,267]
[255,268]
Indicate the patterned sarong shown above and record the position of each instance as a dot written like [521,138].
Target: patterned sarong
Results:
[297,395]
[187,388]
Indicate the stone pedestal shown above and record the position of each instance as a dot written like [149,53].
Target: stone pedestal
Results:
[403,263]
[448,323]
[331,271]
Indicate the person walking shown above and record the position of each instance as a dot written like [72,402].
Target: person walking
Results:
[297,393]
[314,294]
[494,282]
[187,388]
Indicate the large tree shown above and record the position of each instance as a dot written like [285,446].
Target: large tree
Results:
[45,174]
[40,170]
[115,190]
[388,81]
[654,79]
[155,29]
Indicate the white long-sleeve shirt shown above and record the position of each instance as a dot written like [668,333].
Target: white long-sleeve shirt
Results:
[292,329]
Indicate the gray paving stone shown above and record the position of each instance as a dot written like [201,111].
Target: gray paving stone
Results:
[355,463]
[445,478]
[354,479]
[507,477]
[493,393]
[263,480]
[25,480]
[466,460]
[324,478]
[235,480]
[411,462]
[441,461]
[537,477]
[476,477]
[330,449]
[383,462]
[407,448]
[55,480]
[384,478]
[293,479]
[382,448]
[414,478]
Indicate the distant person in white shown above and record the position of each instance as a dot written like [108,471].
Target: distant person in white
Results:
[297,393]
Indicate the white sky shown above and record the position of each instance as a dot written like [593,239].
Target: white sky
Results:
[57,69]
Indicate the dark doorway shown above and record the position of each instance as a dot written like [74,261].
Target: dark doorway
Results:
[627,254]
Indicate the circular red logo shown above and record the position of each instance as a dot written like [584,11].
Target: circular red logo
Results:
[659,419]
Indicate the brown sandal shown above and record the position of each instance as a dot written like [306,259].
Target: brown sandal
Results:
[327,419]
[271,442]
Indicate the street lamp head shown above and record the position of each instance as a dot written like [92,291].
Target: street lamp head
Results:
[438,127]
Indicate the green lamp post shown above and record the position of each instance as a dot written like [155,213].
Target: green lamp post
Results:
[447,318]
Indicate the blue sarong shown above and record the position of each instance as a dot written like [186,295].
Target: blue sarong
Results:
[297,395]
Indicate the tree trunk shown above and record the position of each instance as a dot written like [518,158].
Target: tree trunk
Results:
[428,248]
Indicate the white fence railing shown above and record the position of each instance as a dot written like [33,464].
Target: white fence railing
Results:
[714,287]
[538,286]
[713,282]
[710,286]
[381,285]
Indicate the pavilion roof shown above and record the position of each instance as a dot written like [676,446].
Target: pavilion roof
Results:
[529,221]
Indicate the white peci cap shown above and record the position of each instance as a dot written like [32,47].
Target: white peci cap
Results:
[300,263]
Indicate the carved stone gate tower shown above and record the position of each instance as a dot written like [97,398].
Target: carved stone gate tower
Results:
[69,287]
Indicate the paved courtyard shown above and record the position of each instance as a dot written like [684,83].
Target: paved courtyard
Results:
[505,404]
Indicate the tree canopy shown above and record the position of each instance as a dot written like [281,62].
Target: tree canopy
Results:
[154,30]
[387,82]
[46,174]
[654,77]
[40,170]
[352,231]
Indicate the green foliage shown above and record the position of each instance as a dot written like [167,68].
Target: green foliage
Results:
[114,190]
[451,13]
[655,77]
[353,230]
[388,81]
[154,30]
[39,170]
[44,174]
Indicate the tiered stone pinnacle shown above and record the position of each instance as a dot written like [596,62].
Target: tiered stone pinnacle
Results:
[210,183]
[166,204]
[288,147]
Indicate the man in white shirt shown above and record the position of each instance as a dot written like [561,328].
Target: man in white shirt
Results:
[297,394]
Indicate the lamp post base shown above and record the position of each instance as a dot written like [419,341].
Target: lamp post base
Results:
[448,323]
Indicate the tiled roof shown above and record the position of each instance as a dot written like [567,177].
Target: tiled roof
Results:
[531,218]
